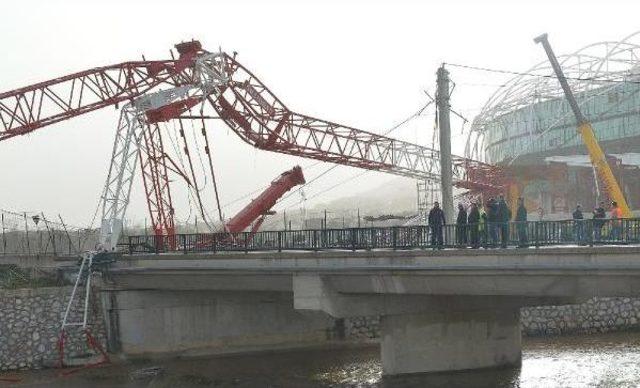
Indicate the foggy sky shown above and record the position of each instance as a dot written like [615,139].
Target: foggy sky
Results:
[363,64]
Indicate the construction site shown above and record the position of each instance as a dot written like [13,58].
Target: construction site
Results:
[523,142]
[563,132]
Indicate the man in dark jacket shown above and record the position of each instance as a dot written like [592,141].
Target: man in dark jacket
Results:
[521,222]
[474,226]
[503,215]
[436,222]
[492,221]
[461,226]
[599,215]
[578,225]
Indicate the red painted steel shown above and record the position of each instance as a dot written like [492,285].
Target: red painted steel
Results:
[153,165]
[255,114]
[245,104]
[260,206]
[26,109]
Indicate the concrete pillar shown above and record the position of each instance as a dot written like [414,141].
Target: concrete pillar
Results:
[213,322]
[444,126]
[450,341]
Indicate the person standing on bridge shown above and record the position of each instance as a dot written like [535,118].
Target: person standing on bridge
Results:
[599,214]
[616,221]
[484,228]
[461,226]
[436,223]
[503,216]
[492,222]
[521,223]
[578,225]
[474,225]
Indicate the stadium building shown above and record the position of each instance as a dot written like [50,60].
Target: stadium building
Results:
[528,128]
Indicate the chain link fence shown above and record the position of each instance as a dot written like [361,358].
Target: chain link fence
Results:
[32,234]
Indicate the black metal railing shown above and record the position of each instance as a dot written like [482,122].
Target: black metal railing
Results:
[483,235]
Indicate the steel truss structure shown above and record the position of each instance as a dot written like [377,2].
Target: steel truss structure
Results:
[262,120]
[245,104]
[26,109]
[599,66]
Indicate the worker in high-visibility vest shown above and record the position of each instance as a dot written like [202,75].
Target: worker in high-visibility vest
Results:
[483,225]
[616,221]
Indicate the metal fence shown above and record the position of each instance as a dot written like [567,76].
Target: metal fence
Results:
[484,235]
[32,234]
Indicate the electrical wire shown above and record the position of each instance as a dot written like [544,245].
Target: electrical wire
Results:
[349,179]
[511,72]
[390,130]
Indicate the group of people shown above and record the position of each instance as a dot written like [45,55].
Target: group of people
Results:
[488,225]
[599,220]
[480,223]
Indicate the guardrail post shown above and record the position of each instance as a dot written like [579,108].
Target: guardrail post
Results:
[279,241]
[324,241]
[314,240]
[394,237]
[353,239]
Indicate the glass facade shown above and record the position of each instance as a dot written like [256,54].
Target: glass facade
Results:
[614,111]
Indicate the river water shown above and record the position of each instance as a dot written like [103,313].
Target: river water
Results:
[605,360]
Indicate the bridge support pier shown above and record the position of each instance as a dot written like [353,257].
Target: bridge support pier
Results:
[428,333]
[450,341]
[143,323]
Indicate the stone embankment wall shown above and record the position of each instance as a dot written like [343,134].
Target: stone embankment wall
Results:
[30,327]
[30,324]
[597,315]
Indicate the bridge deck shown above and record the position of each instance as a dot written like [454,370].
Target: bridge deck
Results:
[575,271]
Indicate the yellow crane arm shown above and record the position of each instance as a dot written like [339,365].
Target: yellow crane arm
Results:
[597,156]
[599,161]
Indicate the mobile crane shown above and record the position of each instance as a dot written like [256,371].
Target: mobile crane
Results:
[255,212]
[596,154]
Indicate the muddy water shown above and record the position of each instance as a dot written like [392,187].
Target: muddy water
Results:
[610,360]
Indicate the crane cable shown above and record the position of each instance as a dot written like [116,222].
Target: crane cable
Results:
[213,174]
[190,195]
[193,176]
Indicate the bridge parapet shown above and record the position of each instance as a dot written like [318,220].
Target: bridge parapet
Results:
[483,235]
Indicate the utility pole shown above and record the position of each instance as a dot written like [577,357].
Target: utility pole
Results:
[444,126]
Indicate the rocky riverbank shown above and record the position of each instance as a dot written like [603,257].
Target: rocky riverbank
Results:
[597,315]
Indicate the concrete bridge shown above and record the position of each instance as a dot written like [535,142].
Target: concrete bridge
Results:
[440,310]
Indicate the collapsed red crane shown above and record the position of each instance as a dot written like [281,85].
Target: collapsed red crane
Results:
[264,121]
[245,104]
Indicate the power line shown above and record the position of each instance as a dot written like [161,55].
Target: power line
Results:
[358,175]
[511,72]
[393,128]
[264,187]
